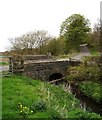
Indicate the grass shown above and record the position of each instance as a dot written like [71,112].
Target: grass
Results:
[4,63]
[95,51]
[65,56]
[92,89]
[26,98]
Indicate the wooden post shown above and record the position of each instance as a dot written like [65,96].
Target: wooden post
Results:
[10,65]
[18,65]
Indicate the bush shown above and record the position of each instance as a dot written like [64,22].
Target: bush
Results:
[39,106]
[92,90]
[55,115]
[88,70]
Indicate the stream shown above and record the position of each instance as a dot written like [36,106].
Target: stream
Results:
[86,102]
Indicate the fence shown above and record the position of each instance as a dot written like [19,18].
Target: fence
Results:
[15,64]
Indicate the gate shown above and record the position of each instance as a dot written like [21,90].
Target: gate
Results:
[6,66]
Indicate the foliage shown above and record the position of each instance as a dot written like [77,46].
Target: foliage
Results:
[39,106]
[37,42]
[88,73]
[88,70]
[94,40]
[92,90]
[56,46]
[94,36]
[75,29]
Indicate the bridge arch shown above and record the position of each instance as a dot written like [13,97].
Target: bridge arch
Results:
[56,76]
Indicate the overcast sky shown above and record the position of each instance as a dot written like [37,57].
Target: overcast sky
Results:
[21,16]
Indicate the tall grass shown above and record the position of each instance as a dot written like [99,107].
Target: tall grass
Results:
[27,98]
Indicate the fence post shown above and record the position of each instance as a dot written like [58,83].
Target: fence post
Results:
[10,65]
[18,65]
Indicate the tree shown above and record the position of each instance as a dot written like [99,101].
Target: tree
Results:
[94,37]
[41,39]
[24,43]
[53,47]
[56,46]
[29,41]
[75,30]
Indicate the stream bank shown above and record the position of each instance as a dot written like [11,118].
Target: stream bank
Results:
[86,102]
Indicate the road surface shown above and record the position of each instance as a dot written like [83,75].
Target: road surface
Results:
[84,52]
[4,68]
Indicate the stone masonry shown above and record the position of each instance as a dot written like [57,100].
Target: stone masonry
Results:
[42,69]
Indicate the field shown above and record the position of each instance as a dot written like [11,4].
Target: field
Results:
[4,61]
[26,98]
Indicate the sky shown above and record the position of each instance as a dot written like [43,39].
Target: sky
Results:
[18,17]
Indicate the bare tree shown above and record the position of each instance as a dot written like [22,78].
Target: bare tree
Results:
[29,41]
[42,38]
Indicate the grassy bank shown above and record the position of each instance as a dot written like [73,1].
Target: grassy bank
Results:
[92,89]
[27,98]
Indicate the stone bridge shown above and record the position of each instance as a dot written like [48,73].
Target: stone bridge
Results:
[42,67]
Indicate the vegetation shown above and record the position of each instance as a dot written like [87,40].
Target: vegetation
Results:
[27,43]
[4,63]
[95,51]
[75,30]
[88,70]
[27,98]
[88,77]
[56,47]
[92,90]
[94,40]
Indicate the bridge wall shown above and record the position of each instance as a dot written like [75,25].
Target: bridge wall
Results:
[44,70]
[40,69]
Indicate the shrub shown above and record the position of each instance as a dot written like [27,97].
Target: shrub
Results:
[87,70]
[92,90]
[39,106]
